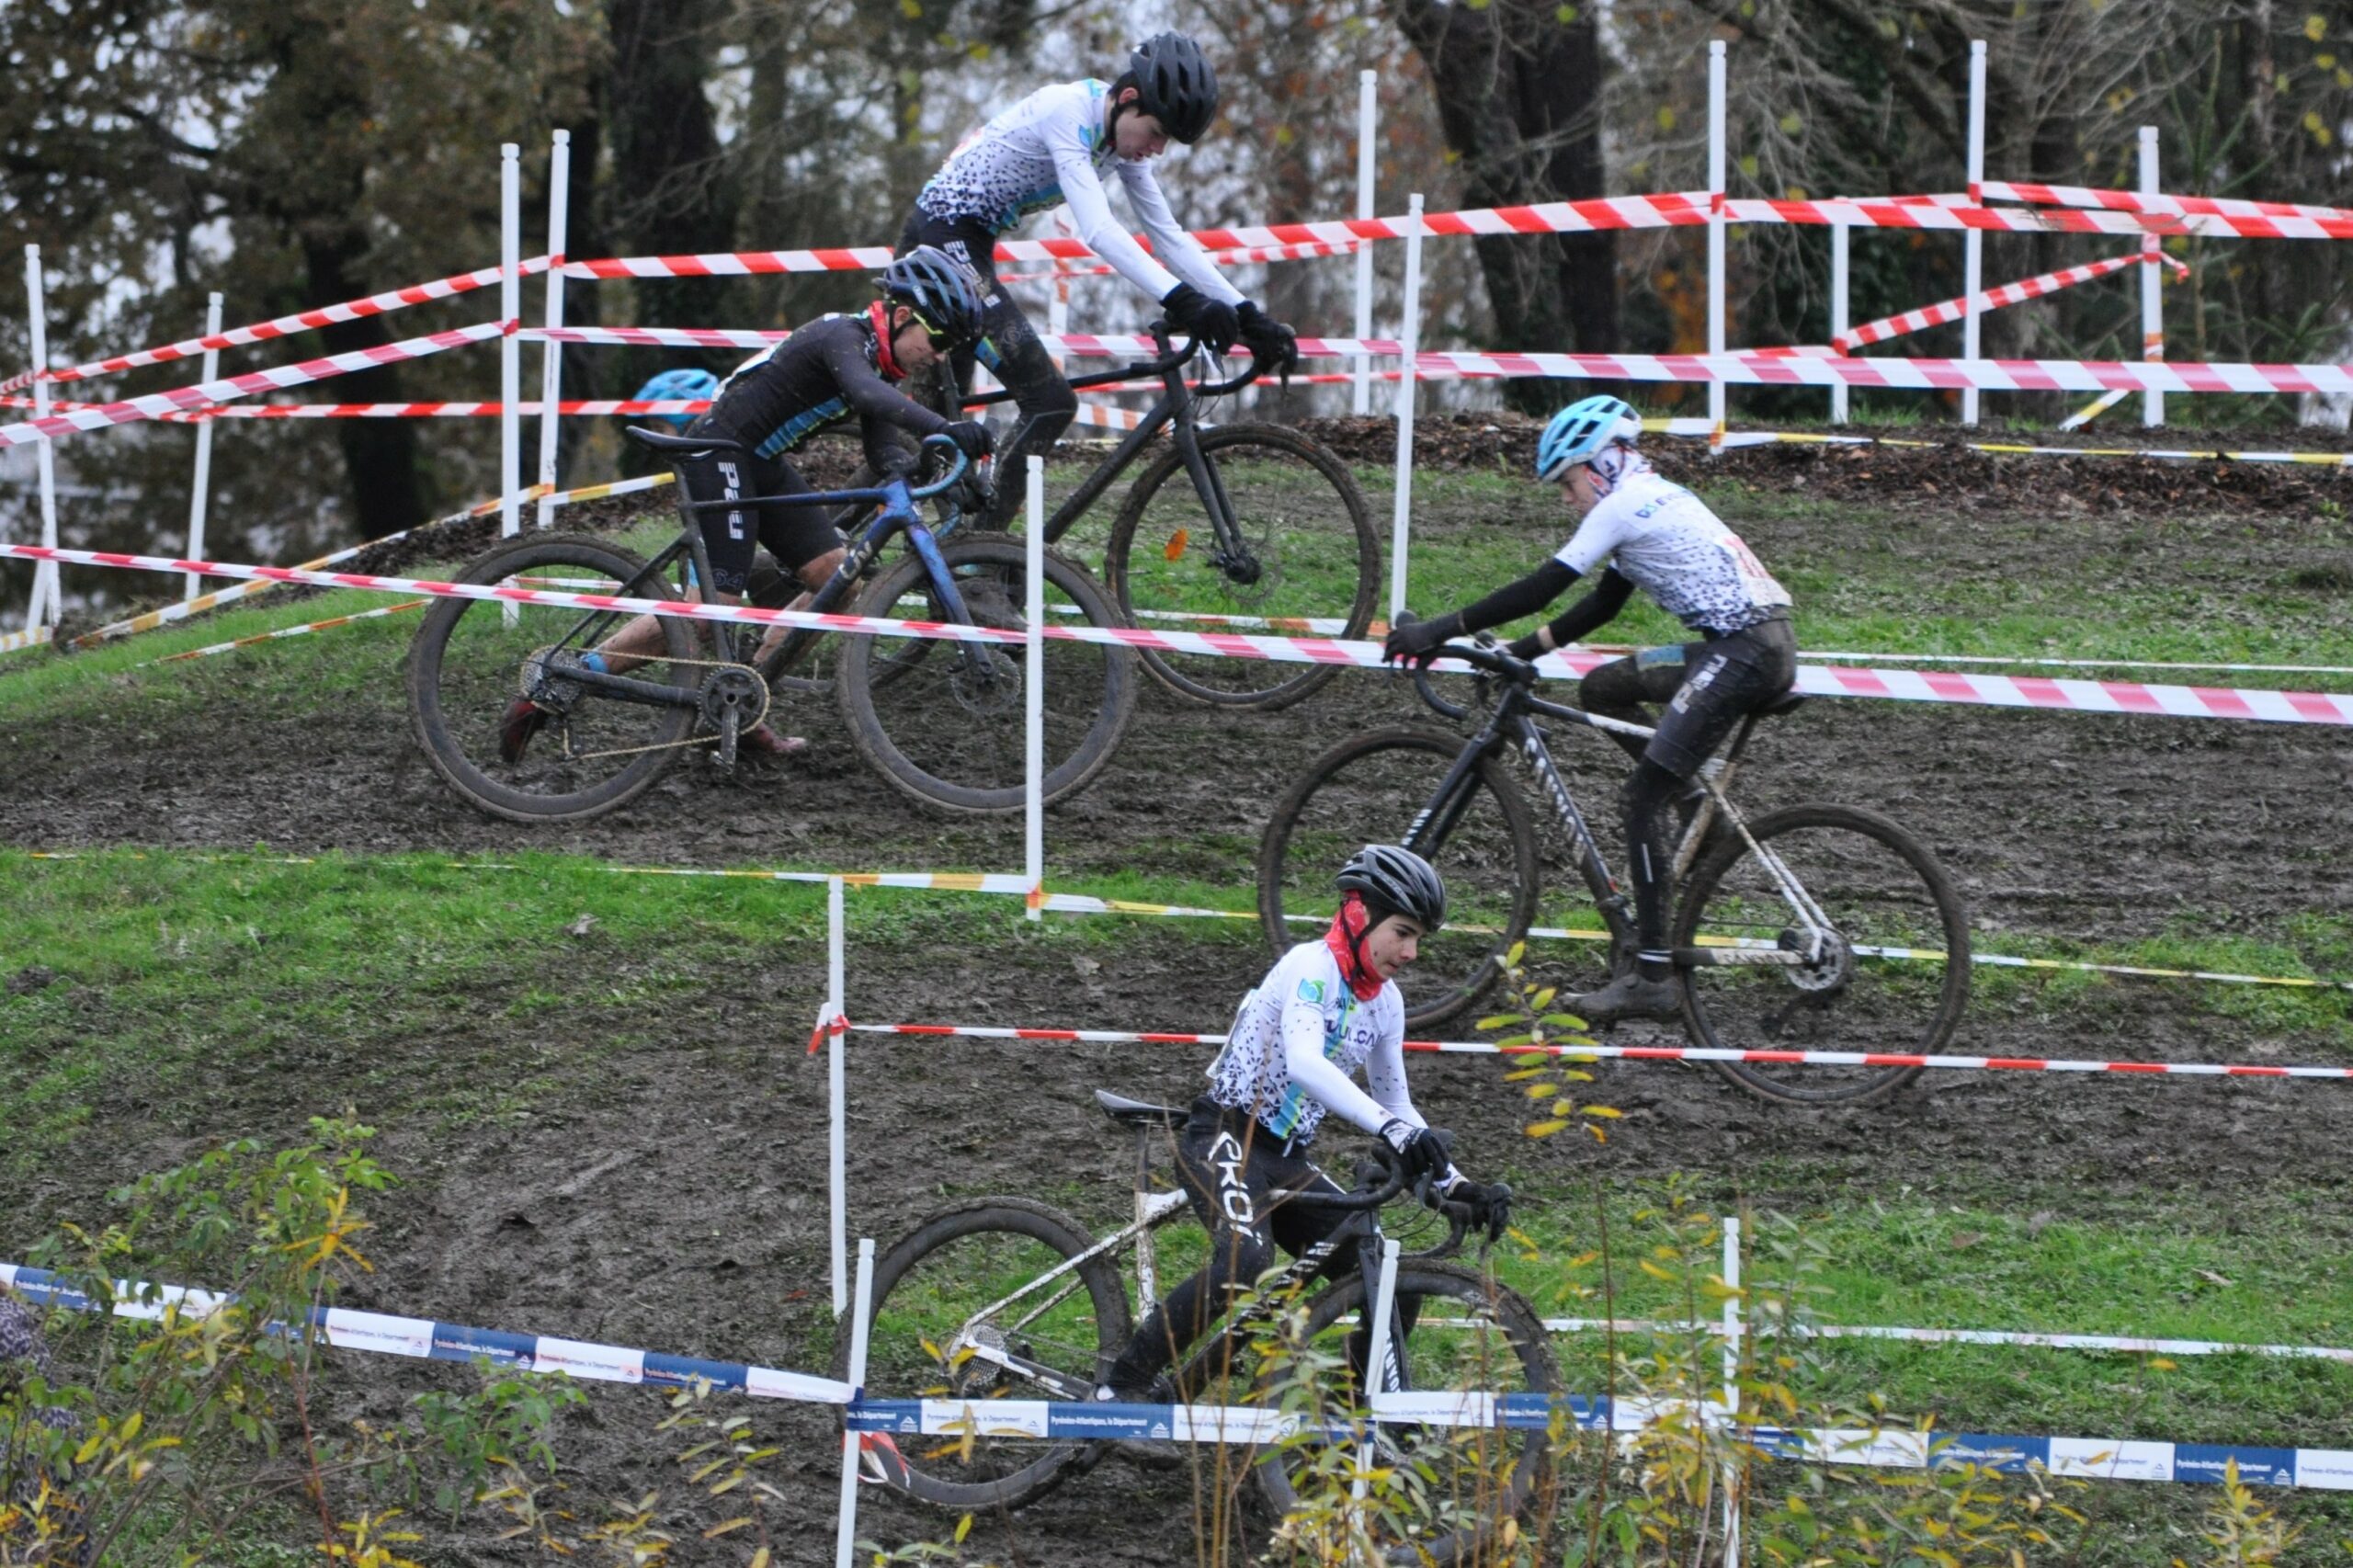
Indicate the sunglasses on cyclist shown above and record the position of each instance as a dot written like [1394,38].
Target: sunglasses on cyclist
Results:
[941,342]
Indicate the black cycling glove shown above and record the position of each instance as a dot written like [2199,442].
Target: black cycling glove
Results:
[1417,641]
[1421,1151]
[1489,1203]
[1273,345]
[1194,315]
[972,439]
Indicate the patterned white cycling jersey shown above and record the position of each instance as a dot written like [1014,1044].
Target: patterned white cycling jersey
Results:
[1666,542]
[1297,1042]
[1050,149]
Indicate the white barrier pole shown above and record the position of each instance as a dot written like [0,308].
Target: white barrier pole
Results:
[2152,319]
[1411,334]
[1384,1303]
[48,601]
[1367,128]
[199,495]
[1731,1333]
[1033,686]
[1716,236]
[510,349]
[1840,235]
[836,1135]
[1972,243]
[551,352]
[846,1533]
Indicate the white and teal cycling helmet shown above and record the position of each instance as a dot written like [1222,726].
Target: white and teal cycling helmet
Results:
[1580,430]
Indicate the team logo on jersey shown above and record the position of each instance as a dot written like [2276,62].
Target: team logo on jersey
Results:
[1311,991]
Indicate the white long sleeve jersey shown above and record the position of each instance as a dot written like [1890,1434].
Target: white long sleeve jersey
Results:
[1050,149]
[1297,1042]
[1665,540]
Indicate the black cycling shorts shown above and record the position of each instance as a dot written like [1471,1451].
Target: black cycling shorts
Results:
[794,535]
[1705,687]
[1009,344]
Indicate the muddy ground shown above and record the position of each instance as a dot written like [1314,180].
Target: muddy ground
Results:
[677,1201]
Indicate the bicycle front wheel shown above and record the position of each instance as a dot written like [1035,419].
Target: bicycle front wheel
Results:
[1375,789]
[959,1314]
[472,658]
[1894,979]
[944,721]
[1451,1487]
[1308,562]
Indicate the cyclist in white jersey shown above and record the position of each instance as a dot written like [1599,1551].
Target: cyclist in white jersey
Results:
[1052,149]
[1326,1009]
[1657,536]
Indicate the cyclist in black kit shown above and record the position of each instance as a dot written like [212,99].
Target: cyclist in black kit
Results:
[836,366]
[1052,149]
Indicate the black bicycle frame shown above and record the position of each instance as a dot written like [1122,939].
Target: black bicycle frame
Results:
[1177,405]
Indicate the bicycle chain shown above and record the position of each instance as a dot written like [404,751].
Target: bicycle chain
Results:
[768,700]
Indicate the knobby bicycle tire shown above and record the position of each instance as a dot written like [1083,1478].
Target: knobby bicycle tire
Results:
[913,1305]
[956,742]
[1509,1470]
[465,664]
[1884,890]
[1370,788]
[1333,572]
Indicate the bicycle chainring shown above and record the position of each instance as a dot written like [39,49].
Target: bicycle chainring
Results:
[1831,972]
[735,690]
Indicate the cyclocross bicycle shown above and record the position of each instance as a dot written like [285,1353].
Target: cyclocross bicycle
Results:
[942,721]
[1818,928]
[1005,1297]
[1267,531]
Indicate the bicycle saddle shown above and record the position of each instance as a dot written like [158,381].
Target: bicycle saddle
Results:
[1137,1113]
[663,441]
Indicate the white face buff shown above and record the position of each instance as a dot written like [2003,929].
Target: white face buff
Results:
[1613,465]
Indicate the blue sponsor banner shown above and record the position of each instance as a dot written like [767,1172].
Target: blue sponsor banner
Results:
[1110,1421]
[454,1342]
[679,1371]
[2257,1466]
[1990,1451]
[1533,1412]
[43,1288]
[883,1415]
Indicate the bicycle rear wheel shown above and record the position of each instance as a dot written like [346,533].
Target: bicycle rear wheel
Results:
[472,658]
[1895,981]
[1452,1486]
[951,735]
[1374,788]
[934,1336]
[1312,557]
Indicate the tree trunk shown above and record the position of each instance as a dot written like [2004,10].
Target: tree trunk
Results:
[380,455]
[1518,93]
[670,193]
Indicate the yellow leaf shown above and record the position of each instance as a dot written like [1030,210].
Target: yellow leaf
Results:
[1603,1110]
[2315,28]
[1544,1129]
[963,1529]
[1542,1091]
[1665,117]
[2159,1364]
[760,1559]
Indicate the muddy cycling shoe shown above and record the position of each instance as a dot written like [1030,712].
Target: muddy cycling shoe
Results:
[524,719]
[1628,997]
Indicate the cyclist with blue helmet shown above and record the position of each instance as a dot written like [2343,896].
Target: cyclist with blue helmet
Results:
[834,368]
[1641,530]
[678,386]
[1054,149]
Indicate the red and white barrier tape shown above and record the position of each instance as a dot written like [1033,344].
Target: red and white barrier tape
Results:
[2168,206]
[1903,686]
[592,406]
[1995,299]
[306,629]
[302,321]
[1064,272]
[1664,1053]
[156,404]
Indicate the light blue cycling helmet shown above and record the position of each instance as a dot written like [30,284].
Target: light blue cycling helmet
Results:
[1582,429]
[680,385]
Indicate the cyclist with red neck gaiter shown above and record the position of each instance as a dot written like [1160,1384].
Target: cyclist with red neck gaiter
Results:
[1326,1009]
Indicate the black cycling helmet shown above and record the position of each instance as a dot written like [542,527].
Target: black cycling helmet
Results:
[1396,882]
[1175,84]
[943,291]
